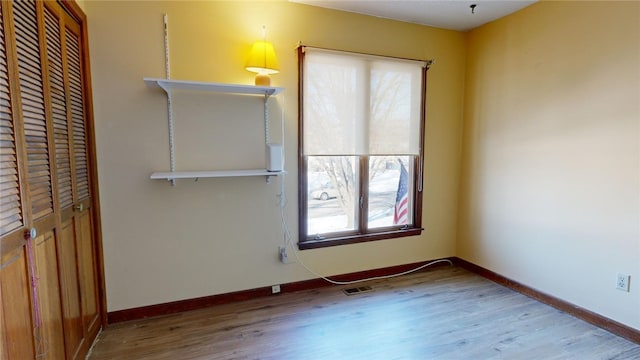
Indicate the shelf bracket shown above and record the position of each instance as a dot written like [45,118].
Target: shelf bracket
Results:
[167,66]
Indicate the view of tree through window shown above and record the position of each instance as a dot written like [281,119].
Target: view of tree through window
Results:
[333,193]
[361,144]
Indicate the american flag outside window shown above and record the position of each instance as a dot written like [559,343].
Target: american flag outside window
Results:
[401,213]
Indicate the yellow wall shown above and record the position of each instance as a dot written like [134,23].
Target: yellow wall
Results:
[549,181]
[550,189]
[215,236]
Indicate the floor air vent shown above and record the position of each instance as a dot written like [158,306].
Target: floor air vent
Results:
[357,290]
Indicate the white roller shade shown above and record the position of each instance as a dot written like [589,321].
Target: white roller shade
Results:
[360,105]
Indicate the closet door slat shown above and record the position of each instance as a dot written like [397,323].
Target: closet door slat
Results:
[11,216]
[32,95]
[77,115]
[59,110]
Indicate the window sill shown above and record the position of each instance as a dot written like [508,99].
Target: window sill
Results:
[354,239]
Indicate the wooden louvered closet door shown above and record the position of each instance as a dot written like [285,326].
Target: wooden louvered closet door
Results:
[46,181]
[15,312]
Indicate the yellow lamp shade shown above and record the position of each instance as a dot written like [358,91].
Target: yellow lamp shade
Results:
[262,60]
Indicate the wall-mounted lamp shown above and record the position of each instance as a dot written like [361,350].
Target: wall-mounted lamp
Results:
[262,60]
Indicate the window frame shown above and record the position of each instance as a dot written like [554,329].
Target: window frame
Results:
[307,241]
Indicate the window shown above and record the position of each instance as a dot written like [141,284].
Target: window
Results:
[360,153]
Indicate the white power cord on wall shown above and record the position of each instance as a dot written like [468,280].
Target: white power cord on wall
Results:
[288,244]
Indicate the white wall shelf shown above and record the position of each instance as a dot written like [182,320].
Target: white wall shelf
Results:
[169,175]
[168,85]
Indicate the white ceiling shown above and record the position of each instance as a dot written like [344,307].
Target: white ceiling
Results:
[446,14]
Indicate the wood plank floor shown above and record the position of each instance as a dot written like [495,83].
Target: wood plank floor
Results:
[445,313]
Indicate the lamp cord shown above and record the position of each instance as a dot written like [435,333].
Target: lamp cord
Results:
[266,119]
[289,244]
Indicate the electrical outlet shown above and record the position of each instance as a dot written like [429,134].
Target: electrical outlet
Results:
[275,289]
[622,282]
[282,252]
